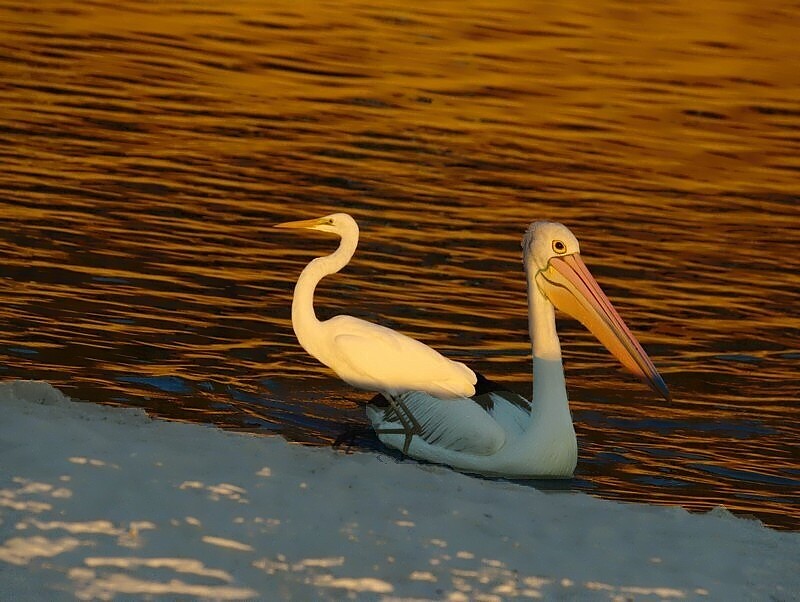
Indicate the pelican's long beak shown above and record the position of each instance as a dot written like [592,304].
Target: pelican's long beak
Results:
[568,284]
[303,223]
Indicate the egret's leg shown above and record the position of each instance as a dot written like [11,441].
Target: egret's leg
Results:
[410,429]
[410,425]
[415,428]
[403,417]
[348,436]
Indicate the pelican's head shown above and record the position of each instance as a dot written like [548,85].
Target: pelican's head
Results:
[551,254]
[335,223]
[545,240]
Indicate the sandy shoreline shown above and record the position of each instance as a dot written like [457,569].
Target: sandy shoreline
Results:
[99,502]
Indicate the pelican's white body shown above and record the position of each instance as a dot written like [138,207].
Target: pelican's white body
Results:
[507,440]
[500,433]
[365,355]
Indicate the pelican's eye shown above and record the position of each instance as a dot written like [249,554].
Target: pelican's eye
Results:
[559,247]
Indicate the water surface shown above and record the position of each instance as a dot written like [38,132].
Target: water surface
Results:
[147,149]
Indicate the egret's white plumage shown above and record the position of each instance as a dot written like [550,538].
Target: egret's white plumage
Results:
[365,355]
[500,433]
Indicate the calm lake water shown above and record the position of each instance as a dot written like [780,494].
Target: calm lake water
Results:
[147,148]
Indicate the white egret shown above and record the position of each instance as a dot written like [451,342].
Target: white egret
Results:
[500,433]
[365,355]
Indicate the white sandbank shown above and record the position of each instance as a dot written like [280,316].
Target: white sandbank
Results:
[100,502]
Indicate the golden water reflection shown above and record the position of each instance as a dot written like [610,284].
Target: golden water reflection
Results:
[147,148]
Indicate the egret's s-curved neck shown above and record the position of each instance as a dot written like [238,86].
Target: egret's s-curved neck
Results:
[304,319]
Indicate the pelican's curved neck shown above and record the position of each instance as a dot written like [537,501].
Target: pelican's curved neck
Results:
[304,319]
[550,407]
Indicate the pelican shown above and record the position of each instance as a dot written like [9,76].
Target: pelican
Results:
[365,355]
[500,433]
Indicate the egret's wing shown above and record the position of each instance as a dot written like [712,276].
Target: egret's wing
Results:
[456,424]
[391,361]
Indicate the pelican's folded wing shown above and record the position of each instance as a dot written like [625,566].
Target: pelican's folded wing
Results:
[456,424]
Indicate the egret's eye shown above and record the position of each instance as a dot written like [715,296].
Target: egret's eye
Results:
[559,247]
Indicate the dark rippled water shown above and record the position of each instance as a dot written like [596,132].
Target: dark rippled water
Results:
[147,148]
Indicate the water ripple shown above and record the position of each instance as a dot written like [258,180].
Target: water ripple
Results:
[148,148]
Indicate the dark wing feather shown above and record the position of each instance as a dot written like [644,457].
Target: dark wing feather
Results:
[483,388]
[482,396]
